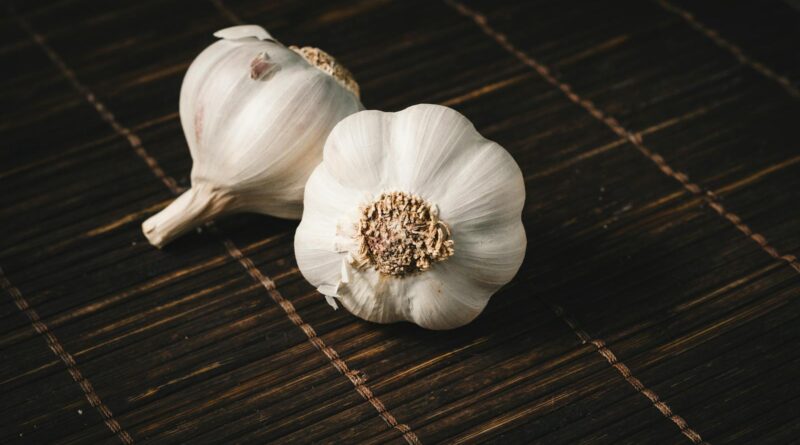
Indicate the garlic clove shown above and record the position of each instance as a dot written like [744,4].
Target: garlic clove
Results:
[317,246]
[371,297]
[243,32]
[354,151]
[428,144]
[454,303]
[491,253]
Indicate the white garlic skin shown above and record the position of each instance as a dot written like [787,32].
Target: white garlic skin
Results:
[255,115]
[433,152]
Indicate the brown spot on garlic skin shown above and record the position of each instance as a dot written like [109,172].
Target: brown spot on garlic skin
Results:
[260,66]
[400,234]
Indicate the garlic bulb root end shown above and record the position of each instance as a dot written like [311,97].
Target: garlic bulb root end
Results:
[401,234]
[328,64]
[197,206]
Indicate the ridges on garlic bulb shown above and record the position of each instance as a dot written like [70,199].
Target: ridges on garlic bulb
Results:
[412,216]
[256,116]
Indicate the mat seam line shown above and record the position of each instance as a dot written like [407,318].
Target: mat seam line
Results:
[627,374]
[57,348]
[730,47]
[42,329]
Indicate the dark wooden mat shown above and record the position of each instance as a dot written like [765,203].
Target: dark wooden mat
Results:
[658,302]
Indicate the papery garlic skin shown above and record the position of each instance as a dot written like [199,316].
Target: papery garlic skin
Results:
[472,184]
[256,116]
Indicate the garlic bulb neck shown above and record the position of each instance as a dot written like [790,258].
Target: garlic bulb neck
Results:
[327,64]
[400,234]
[198,205]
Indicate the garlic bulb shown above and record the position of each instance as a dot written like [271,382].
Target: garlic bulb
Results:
[256,115]
[412,216]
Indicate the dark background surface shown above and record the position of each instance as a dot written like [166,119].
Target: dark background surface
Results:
[648,310]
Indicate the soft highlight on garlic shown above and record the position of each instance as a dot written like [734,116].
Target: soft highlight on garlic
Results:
[256,115]
[412,216]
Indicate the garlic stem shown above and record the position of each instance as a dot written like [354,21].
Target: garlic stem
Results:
[198,205]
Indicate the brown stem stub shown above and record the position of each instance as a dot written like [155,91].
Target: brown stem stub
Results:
[400,234]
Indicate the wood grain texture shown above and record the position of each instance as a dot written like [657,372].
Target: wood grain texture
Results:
[182,345]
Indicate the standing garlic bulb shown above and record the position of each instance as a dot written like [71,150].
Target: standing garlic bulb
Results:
[256,115]
[412,216]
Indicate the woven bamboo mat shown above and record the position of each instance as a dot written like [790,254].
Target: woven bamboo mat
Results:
[658,302]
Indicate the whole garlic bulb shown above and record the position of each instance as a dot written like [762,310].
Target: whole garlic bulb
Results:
[412,216]
[256,115]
